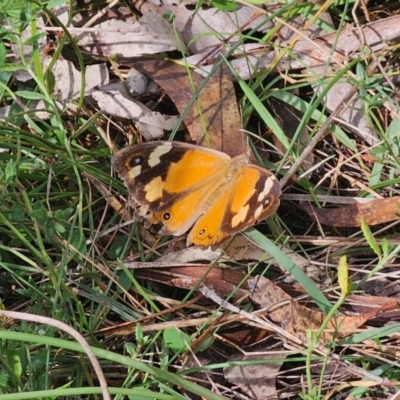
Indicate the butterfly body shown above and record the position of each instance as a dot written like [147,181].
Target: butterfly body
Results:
[183,186]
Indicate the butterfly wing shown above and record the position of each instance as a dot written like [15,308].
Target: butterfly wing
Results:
[252,195]
[172,180]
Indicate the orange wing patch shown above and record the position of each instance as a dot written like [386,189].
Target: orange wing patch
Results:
[193,171]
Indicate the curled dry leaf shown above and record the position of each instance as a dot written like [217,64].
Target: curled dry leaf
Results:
[239,249]
[223,281]
[377,211]
[135,83]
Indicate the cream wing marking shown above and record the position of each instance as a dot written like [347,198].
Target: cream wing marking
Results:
[240,216]
[258,211]
[155,155]
[135,172]
[269,183]
[152,189]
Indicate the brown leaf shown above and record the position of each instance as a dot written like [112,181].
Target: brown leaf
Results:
[216,101]
[223,281]
[377,211]
[243,335]
[298,319]
[256,380]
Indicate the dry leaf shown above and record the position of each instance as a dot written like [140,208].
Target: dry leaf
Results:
[377,211]
[243,335]
[217,102]
[354,114]
[258,381]
[305,51]
[150,35]
[223,281]
[207,28]
[151,124]
[68,80]
[21,74]
[239,249]
[297,319]
[135,83]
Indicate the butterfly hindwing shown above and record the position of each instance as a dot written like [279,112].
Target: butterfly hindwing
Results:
[253,195]
[254,198]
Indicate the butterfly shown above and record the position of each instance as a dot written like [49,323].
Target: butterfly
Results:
[187,187]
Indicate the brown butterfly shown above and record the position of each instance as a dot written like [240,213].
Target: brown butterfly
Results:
[185,186]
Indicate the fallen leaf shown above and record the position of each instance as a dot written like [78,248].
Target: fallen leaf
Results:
[377,211]
[216,106]
[68,80]
[258,381]
[297,319]
[354,114]
[21,74]
[150,35]
[224,281]
[305,51]
[151,124]
[205,29]
[243,335]
[135,83]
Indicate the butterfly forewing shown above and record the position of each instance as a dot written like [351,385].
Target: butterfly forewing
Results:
[160,173]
